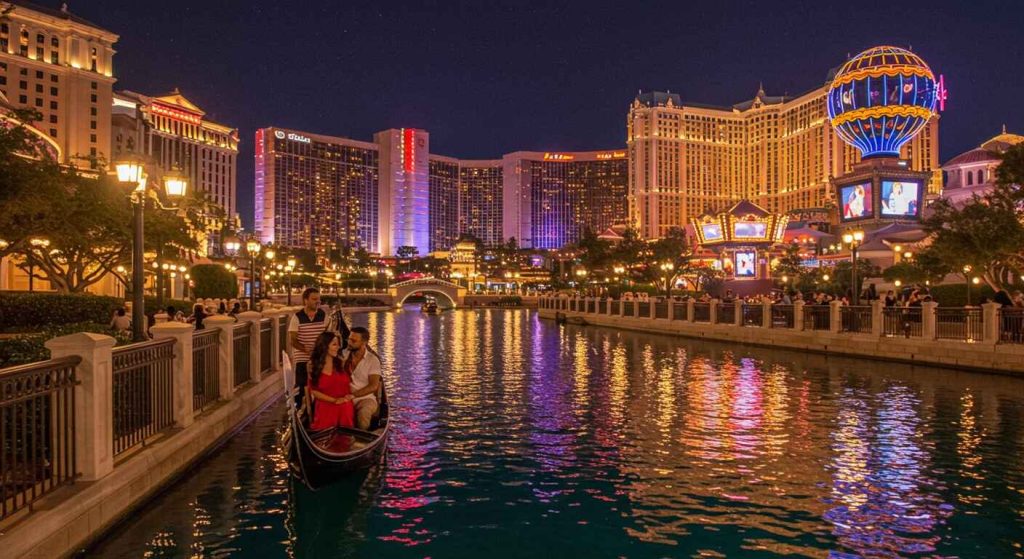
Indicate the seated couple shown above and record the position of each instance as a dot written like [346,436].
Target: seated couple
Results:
[343,384]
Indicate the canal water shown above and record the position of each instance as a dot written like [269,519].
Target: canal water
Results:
[517,437]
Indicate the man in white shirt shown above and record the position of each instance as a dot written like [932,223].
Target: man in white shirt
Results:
[364,366]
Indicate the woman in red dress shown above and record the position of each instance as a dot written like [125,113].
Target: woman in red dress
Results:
[329,385]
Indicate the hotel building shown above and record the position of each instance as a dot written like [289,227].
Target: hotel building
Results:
[321,192]
[551,199]
[175,134]
[778,152]
[61,66]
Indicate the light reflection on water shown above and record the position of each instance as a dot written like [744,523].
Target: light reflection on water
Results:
[516,437]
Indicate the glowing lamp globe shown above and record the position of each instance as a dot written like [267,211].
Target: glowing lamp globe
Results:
[880,99]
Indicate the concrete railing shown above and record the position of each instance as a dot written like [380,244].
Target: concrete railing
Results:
[983,338]
[123,471]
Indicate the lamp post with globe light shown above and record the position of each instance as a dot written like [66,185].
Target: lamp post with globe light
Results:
[131,172]
[854,239]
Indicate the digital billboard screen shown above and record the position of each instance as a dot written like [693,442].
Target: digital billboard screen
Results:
[745,264]
[712,231]
[901,198]
[749,230]
[857,201]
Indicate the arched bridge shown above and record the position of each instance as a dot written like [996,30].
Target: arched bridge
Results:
[402,290]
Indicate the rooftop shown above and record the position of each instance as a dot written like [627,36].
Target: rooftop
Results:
[61,13]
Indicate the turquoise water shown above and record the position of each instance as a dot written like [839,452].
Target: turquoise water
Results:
[516,437]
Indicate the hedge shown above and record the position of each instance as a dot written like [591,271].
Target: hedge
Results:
[213,281]
[956,295]
[35,311]
[29,348]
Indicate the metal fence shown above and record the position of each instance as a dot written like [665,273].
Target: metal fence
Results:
[266,340]
[702,312]
[661,309]
[616,307]
[855,319]
[143,392]
[240,342]
[37,431]
[753,315]
[602,306]
[205,368]
[726,314]
[629,308]
[958,324]
[643,309]
[678,311]
[902,321]
[1011,326]
[783,316]
[817,317]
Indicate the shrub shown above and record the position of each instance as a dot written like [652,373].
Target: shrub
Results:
[29,348]
[213,281]
[178,304]
[35,311]
[956,295]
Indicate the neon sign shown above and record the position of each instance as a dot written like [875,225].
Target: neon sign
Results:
[281,135]
[612,155]
[558,157]
[408,150]
[941,93]
[175,114]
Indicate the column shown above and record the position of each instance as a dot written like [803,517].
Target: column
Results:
[255,340]
[622,307]
[276,343]
[798,315]
[877,318]
[990,322]
[766,317]
[608,309]
[671,309]
[226,326]
[835,316]
[652,309]
[737,313]
[714,311]
[94,400]
[689,309]
[181,369]
[928,320]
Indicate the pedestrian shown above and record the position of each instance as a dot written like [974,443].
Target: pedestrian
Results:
[222,308]
[235,310]
[198,314]
[121,323]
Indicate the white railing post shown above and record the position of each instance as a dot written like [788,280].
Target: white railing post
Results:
[652,308]
[226,348]
[877,318]
[276,343]
[737,313]
[181,391]
[94,400]
[713,311]
[928,320]
[622,307]
[835,316]
[253,318]
[766,314]
[798,315]
[690,312]
[990,322]
[670,309]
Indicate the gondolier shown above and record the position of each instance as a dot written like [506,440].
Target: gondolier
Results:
[303,329]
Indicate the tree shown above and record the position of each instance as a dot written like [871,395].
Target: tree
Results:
[987,232]
[214,281]
[790,264]
[666,259]
[924,268]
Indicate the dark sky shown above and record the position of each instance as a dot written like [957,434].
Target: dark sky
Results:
[487,77]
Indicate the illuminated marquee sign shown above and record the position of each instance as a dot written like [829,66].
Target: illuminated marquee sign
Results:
[612,155]
[408,149]
[558,157]
[281,135]
[175,114]
[941,93]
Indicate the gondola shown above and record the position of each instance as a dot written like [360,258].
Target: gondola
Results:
[430,307]
[322,458]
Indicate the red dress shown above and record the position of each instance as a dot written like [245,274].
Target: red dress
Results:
[329,414]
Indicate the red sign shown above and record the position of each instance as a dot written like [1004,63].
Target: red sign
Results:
[408,150]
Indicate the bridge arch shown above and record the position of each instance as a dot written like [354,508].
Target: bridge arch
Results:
[403,290]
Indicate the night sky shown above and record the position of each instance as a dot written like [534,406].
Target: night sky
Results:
[487,78]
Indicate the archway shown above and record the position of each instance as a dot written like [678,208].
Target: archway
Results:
[443,295]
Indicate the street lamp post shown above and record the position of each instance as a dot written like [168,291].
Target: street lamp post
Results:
[854,239]
[288,269]
[252,246]
[269,255]
[967,281]
[132,173]
[666,272]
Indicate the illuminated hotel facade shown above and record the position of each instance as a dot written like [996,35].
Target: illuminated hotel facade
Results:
[61,66]
[778,152]
[322,192]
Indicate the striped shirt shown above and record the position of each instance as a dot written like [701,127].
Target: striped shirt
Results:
[308,331]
